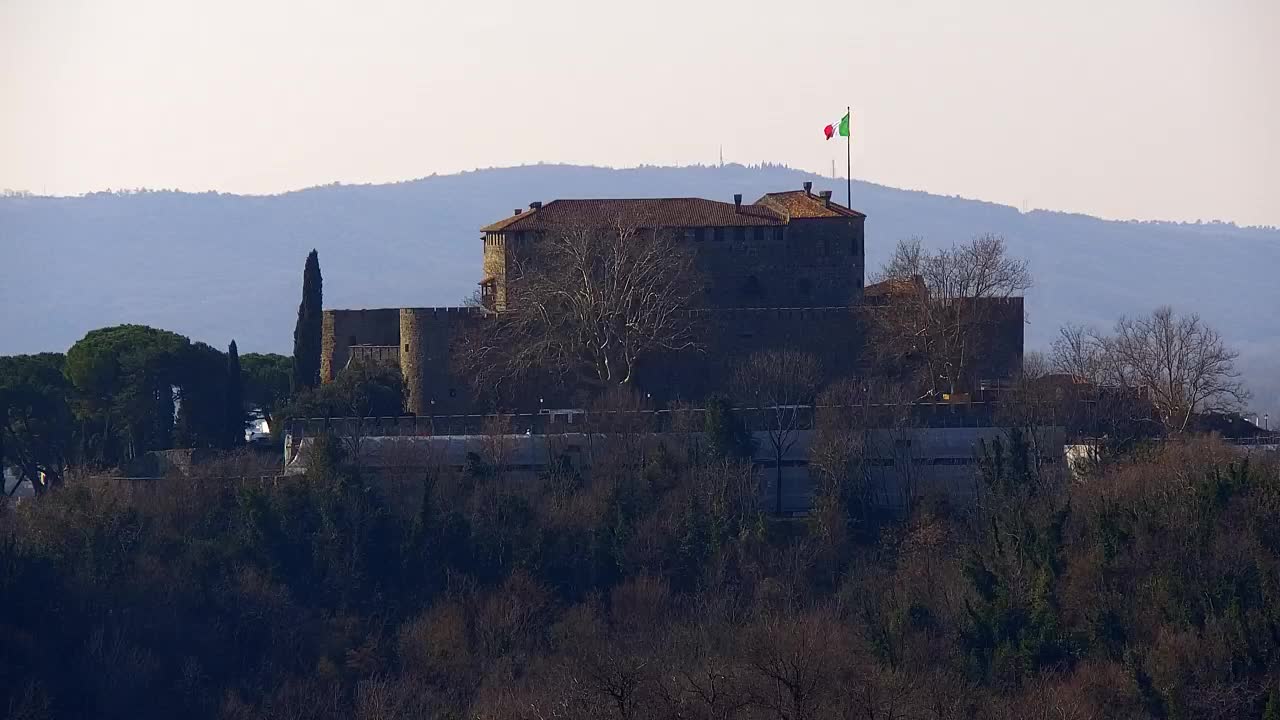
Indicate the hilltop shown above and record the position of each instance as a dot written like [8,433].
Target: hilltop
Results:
[217,266]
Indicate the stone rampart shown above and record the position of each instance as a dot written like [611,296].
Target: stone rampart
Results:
[344,328]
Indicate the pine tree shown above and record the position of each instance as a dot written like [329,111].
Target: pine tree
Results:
[235,398]
[306,334]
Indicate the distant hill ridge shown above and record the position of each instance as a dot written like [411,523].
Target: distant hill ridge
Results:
[217,266]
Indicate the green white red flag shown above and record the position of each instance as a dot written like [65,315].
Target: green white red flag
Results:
[841,128]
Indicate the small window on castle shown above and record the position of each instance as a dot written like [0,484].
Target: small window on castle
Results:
[759,234]
[740,234]
[826,246]
[406,347]
[719,233]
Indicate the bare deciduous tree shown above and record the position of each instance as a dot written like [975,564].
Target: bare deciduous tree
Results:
[1181,363]
[940,326]
[590,301]
[782,385]
[1078,352]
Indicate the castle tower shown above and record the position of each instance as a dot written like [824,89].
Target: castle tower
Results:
[426,337]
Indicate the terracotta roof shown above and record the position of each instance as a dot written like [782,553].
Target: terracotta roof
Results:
[896,287]
[800,204]
[646,213]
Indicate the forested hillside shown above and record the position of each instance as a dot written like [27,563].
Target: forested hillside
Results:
[654,589]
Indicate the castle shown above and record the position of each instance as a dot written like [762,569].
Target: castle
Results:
[785,271]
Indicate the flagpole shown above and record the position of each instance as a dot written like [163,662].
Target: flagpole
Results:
[848,156]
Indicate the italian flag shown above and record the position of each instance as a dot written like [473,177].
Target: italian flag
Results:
[842,127]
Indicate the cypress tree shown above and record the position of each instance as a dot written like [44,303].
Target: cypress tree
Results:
[306,334]
[235,398]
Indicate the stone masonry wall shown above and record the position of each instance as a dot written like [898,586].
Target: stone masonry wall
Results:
[494,266]
[836,336]
[813,262]
[344,328]
[816,263]
[426,337]
[999,340]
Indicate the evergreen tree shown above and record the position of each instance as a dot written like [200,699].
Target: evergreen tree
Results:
[306,334]
[235,398]
[727,436]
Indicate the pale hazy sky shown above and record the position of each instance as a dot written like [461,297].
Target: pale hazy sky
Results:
[1121,108]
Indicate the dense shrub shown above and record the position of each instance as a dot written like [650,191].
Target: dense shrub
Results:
[652,589]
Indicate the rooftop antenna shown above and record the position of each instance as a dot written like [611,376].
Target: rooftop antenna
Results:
[722,156]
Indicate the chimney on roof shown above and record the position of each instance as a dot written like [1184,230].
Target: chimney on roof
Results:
[808,186]
[737,201]
[535,205]
[826,197]
[517,211]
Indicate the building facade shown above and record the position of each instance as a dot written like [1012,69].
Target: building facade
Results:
[787,271]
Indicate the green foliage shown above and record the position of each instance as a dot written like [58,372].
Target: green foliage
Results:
[726,435]
[124,377]
[36,433]
[119,392]
[360,390]
[307,333]
[266,379]
[1014,627]
[234,401]
[201,382]
[1272,710]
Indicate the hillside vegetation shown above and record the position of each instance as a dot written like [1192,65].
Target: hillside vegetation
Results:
[654,589]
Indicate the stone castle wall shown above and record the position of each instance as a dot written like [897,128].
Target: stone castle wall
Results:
[426,339]
[494,267]
[795,287]
[837,336]
[999,337]
[810,262]
[813,263]
[344,328]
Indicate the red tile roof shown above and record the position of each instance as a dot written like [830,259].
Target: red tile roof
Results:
[800,204]
[896,287]
[646,213]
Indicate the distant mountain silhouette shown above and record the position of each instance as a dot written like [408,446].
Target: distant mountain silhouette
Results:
[217,267]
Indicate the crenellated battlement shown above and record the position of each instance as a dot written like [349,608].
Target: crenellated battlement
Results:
[460,311]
